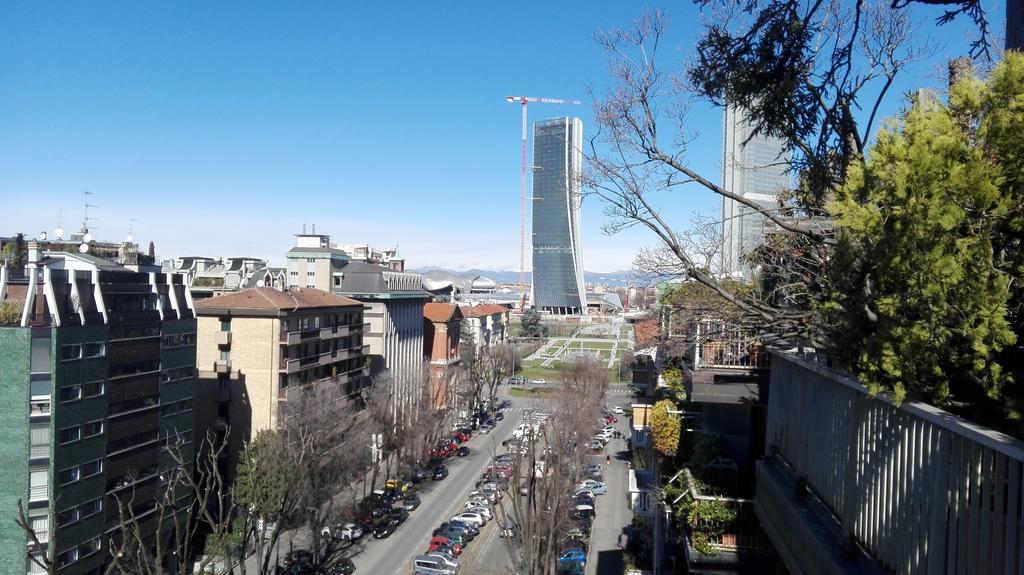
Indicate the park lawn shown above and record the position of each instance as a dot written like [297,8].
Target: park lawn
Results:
[537,372]
[592,345]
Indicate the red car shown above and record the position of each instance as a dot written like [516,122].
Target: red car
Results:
[610,418]
[438,542]
[460,436]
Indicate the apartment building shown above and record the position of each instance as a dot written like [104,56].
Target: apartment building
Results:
[484,325]
[256,345]
[97,366]
[210,277]
[393,307]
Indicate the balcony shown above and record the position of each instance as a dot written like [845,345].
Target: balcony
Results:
[39,407]
[39,451]
[223,338]
[222,366]
[38,493]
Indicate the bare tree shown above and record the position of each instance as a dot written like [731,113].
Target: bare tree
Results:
[799,70]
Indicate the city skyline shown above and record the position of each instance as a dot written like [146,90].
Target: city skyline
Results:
[241,129]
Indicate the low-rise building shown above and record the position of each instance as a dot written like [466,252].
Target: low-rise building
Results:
[442,328]
[256,345]
[484,325]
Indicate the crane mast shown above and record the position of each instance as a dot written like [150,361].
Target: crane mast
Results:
[524,101]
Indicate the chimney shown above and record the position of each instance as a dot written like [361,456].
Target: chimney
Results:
[34,253]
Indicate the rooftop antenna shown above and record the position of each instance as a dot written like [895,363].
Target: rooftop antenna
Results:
[131,227]
[85,211]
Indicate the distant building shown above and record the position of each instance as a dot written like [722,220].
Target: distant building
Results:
[257,345]
[484,325]
[557,253]
[209,277]
[442,329]
[393,303]
[756,168]
[387,258]
[97,364]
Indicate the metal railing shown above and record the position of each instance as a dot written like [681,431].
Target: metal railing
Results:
[722,345]
[920,489]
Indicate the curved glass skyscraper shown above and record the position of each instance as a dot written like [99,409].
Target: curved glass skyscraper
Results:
[557,254]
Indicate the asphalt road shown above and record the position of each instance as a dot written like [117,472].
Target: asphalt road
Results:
[440,501]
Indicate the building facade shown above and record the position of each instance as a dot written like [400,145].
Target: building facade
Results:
[557,252]
[393,307]
[442,327]
[258,344]
[210,277]
[97,365]
[756,168]
[484,325]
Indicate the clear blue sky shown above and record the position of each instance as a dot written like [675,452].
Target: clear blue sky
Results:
[223,127]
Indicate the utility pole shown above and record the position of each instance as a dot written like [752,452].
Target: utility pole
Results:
[524,100]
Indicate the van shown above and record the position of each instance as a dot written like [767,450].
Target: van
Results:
[434,565]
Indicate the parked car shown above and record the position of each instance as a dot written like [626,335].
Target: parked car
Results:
[384,528]
[298,557]
[440,472]
[433,565]
[343,532]
[618,410]
[508,529]
[472,528]
[484,512]
[478,502]
[453,535]
[575,558]
[343,566]
[595,487]
[411,502]
[417,475]
[400,485]
[399,515]
[462,451]
[611,419]
[470,517]
[596,445]
[438,542]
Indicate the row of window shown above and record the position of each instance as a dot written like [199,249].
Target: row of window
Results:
[180,340]
[84,550]
[75,351]
[79,512]
[177,374]
[81,391]
[79,472]
[128,369]
[132,441]
[173,408]
[119,333]
[77,432]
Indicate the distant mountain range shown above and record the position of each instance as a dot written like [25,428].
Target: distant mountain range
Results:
[619,278]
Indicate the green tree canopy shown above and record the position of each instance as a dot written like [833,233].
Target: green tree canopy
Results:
[928,263]
[532,326]
[665,427]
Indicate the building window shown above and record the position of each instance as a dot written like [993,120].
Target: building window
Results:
[67,517]
[90,508]
[188,339]
[67,557]
[185,405]
[70,352]
[98,349]
[225,324]
[89,547]
[70,393]
[310,260]
[69,475]
[337,281]
[69,434]
[93,428]
[92,468]
[225,355]
[92,389]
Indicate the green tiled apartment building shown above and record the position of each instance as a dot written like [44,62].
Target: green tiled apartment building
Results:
[97,371]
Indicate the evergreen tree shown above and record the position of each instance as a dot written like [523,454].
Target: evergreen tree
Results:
[532,326]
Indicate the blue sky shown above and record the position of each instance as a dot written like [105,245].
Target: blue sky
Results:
[223,127]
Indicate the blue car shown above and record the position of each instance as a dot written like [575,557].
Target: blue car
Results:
[572,560]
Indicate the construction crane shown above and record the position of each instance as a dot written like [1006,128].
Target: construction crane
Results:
[524,100]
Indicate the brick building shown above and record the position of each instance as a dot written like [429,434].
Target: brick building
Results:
[442,328]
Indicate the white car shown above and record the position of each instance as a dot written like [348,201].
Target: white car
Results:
[482,511]
[346,532]
[478,502]
[618,410]
[585,493]
[597,487]
[538,381]
[470,517]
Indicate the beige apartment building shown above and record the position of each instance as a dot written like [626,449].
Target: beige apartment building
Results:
[255,345]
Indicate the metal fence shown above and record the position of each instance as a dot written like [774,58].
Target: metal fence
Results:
[920,489]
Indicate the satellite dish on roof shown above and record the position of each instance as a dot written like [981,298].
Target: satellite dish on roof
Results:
[87,237]
[84,248]
[58,233]
[260,283]
[42,235]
